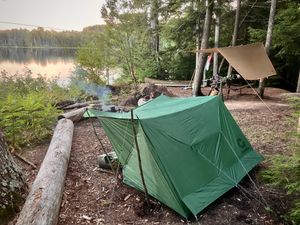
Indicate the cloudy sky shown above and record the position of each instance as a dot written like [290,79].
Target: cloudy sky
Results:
[61,14]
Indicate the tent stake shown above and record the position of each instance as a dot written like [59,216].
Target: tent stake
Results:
[139,158]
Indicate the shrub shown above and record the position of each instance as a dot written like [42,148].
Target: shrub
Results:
[27,107]
[26,120]
[284,171]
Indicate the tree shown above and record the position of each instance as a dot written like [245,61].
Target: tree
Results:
[298,85]
[235,30]
[261,87]
[95,59]
[154,26]
[204,44]
[286,40]
[12,183]
[217,10]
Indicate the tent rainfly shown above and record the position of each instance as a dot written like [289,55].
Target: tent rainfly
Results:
[251,61]
[192,150]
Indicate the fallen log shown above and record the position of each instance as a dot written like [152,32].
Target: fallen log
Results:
[63,104]
[82,104]
[74,115]
[43,202]
[168,83]
[76,105]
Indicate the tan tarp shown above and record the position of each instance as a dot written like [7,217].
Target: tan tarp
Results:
[251,61]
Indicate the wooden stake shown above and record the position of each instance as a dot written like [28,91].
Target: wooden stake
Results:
[139,158]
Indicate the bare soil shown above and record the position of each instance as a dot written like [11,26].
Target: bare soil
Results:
[92,196]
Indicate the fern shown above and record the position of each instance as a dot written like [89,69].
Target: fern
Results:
[284,171]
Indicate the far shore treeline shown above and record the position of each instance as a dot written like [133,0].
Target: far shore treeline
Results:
[41,38]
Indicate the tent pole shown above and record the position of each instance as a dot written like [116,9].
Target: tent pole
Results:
[139,158]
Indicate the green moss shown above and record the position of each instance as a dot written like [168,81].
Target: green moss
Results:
[6,214]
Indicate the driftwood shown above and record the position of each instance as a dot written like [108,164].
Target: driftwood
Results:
[43,202]
[74,115]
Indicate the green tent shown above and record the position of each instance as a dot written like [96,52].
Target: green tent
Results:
[192,150]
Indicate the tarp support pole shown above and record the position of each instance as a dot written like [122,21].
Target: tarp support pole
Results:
[139,159]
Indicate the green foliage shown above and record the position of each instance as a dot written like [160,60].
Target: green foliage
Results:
[26,120]
[57,93]
[20,84]
[27,107]
[284,171]
[178,39]
[123,44]
[295,213]
[285,42]
[287,30]
[94,59]
[129,45]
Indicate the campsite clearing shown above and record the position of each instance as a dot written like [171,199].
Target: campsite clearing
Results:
[94,197]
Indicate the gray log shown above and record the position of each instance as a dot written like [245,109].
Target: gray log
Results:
[76,105]
[74,115]
[43,202]
[82,104]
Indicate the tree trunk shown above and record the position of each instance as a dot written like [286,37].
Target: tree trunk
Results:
[235,31]
[43,202]
[12,184]
[107,75]
[200,59]
[155,32]
[217,36]
[198,43]
[298,86]
[261,88]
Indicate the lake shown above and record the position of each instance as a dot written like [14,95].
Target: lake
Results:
[49,63]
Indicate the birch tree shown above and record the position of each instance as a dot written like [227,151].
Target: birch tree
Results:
[154,26]
[235,30]
[261,87]
[217,34]
[200,59]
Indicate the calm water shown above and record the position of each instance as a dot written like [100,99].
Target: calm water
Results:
[50,63]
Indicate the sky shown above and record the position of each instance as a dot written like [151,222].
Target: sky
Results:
[60,14]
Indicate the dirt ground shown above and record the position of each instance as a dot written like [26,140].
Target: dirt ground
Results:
[92,196]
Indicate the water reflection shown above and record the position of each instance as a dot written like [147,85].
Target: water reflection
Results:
[40,56]
[50,63]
